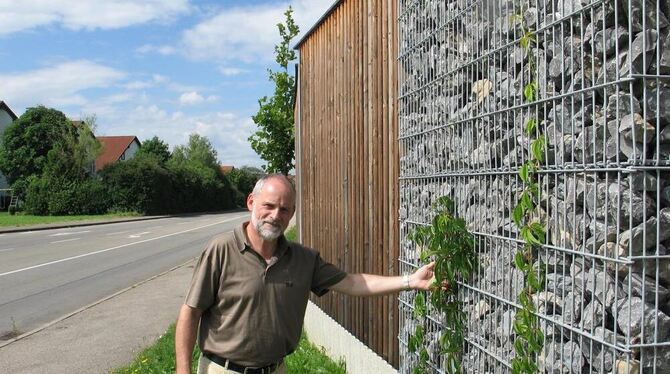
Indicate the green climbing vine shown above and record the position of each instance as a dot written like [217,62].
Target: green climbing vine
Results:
[447,242]
[529,338]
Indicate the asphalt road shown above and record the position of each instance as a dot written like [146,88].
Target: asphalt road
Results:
[47,274]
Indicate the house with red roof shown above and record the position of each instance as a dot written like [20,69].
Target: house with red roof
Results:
[225,169]
[116,148]
[7,116]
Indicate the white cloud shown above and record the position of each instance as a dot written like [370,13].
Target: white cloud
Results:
[190,98]
[156,80]
[137,85]
[227,71]
[230,36]
[90,15]
[164,50]
[59,85]
[159,78]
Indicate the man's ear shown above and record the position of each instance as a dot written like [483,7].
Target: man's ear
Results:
[250,201]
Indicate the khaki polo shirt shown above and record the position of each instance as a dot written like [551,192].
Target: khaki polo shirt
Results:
[253,313]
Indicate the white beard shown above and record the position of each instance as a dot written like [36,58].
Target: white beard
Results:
[265,229]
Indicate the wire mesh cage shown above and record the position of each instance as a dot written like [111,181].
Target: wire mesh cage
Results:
[601,76]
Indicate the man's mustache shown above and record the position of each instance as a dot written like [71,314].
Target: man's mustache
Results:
[273,223]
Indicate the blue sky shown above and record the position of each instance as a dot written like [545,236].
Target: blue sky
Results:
[148,67]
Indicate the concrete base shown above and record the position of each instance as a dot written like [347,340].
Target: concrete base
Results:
[324,331]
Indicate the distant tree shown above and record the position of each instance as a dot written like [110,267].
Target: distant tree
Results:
[82,148]
[155,147]
[27,142]
[274,141]
[245,178]
[199,150]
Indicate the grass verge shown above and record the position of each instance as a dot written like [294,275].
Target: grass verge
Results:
[7,220]
[291,234]
[159,358]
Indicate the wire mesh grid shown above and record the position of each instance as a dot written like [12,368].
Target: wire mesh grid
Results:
[603,102]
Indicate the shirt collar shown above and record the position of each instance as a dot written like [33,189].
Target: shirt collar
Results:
[242,244]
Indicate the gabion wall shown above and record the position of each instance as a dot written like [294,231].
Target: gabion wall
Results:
[602,70]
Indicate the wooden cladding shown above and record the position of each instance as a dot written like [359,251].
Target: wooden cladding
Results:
[347,158]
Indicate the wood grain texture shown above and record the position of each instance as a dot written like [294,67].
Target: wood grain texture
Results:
[348,174]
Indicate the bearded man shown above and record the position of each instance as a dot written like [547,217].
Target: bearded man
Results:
[250,289]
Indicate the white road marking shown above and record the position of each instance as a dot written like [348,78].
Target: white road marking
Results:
[116,233]
[139,234]
[117,247]
[65,240]
[6,249]
[70,233]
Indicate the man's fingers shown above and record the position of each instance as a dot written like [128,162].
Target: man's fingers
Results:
[430,266]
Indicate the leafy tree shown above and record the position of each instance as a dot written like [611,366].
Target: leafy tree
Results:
[80,148]
[28,140]
[65,186]
[199,150]
[155,147]
[275,138]
[244,179]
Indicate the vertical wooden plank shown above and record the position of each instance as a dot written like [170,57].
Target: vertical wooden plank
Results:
[384,172]
[344,162]
[392,328]
[395,157]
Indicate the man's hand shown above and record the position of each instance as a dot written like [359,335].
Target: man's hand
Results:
[424,279]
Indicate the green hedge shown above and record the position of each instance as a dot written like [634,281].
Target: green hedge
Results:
[139,185]
[144,186]
[58,197]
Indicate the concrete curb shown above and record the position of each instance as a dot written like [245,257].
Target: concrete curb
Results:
[89,306]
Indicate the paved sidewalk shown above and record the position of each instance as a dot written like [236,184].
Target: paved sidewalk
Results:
[104,336]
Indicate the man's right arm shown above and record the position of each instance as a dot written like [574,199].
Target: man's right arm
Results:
[185,334]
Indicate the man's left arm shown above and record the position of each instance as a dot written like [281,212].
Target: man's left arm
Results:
[371,285]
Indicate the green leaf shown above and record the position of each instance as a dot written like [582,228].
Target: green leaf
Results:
[531,125]
[525,301]
[538,231]
[527,201]
[529,236]
[538,147]
[533,281]
[420,305]
[517,214]
[529,91]
[520,262]
[523,173]
[519,347]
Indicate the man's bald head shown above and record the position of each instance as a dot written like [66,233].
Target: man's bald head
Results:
[278,177]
